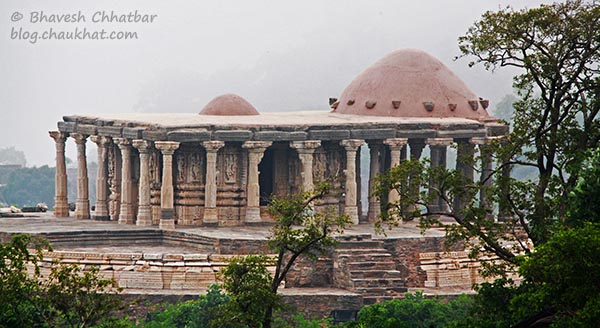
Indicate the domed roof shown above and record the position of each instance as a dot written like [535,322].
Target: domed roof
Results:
[410,83]
[229,104]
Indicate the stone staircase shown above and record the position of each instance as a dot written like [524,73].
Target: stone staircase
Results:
[363,265]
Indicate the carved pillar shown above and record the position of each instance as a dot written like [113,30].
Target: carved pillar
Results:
[210,189]
[101,212]
[375,150]
[351,208]
[256,151]
[305,150]
[486,170]
[396,146]
[416,149]
[61,202]
[144,217]
[82,207]
[167,210]
[438,148]
[464,166]
[114,178]
[127,215]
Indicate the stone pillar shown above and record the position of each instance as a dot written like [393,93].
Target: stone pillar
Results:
[127,215]
[101,212]
[464,166]
[256,151]
[438,148]
[61,202]
[210,187]
[375,150]
[504,208]
[306,149]
[396,145]
[167,210]
[486,170]
[351,208]
[416,149]
[82,207]
[144,216]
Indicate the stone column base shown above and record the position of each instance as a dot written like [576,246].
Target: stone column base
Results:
[126,217]
[167,219]
[211,217]
[144,217]
[352,212]
[82,210]
[61,210]
[253,215]
[101,217]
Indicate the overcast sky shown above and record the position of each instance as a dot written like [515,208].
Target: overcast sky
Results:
[279,55]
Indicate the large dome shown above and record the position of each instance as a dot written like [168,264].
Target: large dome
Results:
[410,83]
[229,104]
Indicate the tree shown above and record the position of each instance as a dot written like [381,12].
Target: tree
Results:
[299,230]
[557,49]
[66,298]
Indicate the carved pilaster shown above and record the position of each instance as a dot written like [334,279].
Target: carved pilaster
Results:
[144,217]
[82,207]
[127,215]
[305,150]
[351,206]
[101,211]
[61,203]
[438,150]
[464,166]
[167,218]
[375,151]
[210,189]
[395,145]
[256,151]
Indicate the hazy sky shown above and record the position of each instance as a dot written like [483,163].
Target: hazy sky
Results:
[280,55]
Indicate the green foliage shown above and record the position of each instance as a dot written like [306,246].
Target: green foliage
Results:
[247,282]
[413,312]
[583,205]
[29,186]
[300,321]
[204,312]
[67,297]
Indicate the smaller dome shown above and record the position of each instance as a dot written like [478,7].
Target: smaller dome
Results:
[229,104]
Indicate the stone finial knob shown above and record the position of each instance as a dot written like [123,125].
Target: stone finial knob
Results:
[396,103]
[370,104]
[474,104]
[428,105]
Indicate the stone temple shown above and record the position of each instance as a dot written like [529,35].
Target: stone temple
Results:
[178,176]
[220,166]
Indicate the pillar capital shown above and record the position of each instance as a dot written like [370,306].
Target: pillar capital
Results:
[439,141]
[213,146]
[485,140]
[396,143]
[123,142]
[58,136]
[100,140]
[79,138]
[167,147]
[257,146]
[143,146]
[352,144]
[306,146]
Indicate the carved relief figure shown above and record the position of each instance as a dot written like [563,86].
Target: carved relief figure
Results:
[230,168]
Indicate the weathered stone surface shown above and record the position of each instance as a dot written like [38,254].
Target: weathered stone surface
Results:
[66,126]
[372,133]
[86,129]
[154,135]
[189,135]
[232,135]
[110,131]
[423,133]
[461,133]
[328,134]
[132,133]
[280,136]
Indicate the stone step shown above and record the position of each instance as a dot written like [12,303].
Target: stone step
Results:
[378,282]
[372,244]
[375,274]
[370,265]
[365,257]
